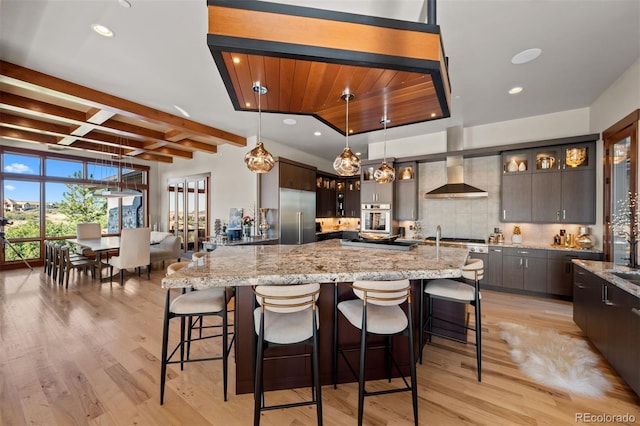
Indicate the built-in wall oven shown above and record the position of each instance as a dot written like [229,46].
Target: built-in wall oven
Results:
[376,218]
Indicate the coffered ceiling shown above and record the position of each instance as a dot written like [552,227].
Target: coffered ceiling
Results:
[35,107]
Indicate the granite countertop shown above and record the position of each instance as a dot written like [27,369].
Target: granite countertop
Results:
[545,246]
[323,262]
[248,241]
[333,231]
[604,270]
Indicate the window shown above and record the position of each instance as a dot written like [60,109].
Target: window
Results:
[620,181]
[47,202]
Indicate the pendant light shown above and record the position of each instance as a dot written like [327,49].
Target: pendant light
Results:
[259,160]
[385,173]
[347,163]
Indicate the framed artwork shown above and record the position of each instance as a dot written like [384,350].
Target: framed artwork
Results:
[235,218]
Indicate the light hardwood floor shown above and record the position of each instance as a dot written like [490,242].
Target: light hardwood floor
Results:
[90,355]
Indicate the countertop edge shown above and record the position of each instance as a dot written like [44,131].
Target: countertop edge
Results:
[604,269]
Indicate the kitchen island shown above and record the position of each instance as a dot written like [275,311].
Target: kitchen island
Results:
[326,262]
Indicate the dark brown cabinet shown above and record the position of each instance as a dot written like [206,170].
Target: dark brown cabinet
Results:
[352,198]
[296,175]
[524,269]
[516,197]
[564,196]
[370,190]
[406,186]
[610,317]
[326,195]
[494,268]
[549,185]
[560,270]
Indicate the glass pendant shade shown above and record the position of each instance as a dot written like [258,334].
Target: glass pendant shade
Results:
[385,173]
[259,160]
[347,163]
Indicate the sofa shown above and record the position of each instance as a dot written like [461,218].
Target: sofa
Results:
[164,246]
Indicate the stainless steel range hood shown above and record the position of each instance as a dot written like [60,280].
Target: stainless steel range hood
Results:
[455,186]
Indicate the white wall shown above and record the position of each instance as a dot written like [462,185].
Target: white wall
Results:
[232,184]
[618,101]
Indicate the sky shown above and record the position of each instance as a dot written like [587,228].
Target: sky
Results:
[28,165]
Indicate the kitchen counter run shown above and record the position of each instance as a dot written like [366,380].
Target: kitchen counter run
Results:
[604,269]
[323,262]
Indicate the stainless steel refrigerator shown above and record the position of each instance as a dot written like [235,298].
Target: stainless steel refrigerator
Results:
[297,216]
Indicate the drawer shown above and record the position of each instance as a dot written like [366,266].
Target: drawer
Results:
[573,254]
[524,252]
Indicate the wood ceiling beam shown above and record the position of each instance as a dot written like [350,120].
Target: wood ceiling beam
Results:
[28,136]
[24,77]
[31,124]
[199,146]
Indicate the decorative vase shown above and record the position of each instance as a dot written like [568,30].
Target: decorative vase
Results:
[264,226]
[585,240]
[247,231]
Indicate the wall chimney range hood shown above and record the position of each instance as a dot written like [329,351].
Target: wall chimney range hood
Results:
[455,186]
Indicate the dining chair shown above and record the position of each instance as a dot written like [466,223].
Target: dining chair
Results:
[459,292]
[287,314]
[134,252]
[87,231]
[377,311]
[69,263]
[211,302]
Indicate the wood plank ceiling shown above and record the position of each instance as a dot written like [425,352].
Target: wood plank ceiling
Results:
[39,108]
[307,57]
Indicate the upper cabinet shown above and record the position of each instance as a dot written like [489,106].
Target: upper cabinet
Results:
[326,190]
[406,183]
[352,197]
[296,175]
[549,185]
[372,191]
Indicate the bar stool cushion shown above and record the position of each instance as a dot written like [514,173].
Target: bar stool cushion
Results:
[282,329]
[452,290]
[380,319]
[199,302]
[175,267]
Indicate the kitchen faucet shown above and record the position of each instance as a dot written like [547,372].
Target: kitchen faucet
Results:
[438,233]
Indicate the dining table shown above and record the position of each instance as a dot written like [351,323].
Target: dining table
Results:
[98,246]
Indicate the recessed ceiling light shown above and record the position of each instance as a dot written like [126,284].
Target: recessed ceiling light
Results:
[316,133]
[526,56]
[289,121]
[124,3]
[515,90]
[236,60]
[247,104]
[433,114]
[102,30]
[182,111]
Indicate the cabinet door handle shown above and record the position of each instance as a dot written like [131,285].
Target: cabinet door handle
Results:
[526,263]
[520,261]
[504,214]
[497,250]
[564,214]
[580,286]
[523,252]
[557,214]
[636,311]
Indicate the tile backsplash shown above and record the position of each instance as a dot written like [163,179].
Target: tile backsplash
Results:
[474,218]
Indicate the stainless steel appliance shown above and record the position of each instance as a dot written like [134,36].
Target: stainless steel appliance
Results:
[375,218]
[297,216]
